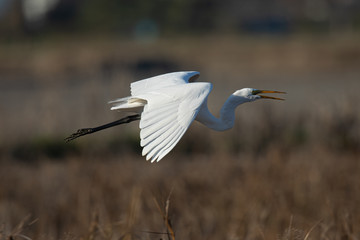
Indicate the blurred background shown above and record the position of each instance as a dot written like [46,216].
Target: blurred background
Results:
[288,170]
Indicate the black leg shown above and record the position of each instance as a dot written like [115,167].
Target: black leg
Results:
[85,131]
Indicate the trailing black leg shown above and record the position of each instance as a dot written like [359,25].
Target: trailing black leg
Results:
[85,131]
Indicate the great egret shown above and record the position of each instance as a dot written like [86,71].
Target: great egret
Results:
[167,104]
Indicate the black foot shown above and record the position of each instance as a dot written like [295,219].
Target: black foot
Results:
[85,131]
[79,133]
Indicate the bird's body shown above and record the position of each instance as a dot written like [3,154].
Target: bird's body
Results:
[167,104]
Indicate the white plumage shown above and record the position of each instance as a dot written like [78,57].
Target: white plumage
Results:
[169,103]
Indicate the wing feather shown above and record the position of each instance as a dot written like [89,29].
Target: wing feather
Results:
[169,104]
[146,141]
[167,115]
[170,145]
[160,117]
[150,133]
[162,81]
[134,103]
[150,129]
[162,142]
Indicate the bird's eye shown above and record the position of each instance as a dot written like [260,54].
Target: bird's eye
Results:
[254,92]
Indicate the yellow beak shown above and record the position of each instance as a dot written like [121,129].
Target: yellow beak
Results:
[255,92]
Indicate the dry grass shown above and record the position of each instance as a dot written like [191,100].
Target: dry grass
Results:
[297,195]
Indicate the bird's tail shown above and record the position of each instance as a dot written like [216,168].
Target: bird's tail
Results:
[128,104]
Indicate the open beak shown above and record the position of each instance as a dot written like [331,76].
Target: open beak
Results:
[256,92]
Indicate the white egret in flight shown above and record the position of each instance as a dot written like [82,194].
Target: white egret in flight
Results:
[167,104]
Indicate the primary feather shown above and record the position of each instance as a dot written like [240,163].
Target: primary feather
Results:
[169,104]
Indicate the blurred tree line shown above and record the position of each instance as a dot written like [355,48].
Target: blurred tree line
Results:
[18,17]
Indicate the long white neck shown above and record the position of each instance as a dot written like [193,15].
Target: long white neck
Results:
[227,114]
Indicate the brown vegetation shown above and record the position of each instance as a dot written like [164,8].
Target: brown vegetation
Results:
[312,194]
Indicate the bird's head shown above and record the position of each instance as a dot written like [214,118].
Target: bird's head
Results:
[251,94]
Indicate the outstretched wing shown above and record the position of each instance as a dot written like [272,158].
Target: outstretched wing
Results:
[167,115]
[162,81]
[145,86]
